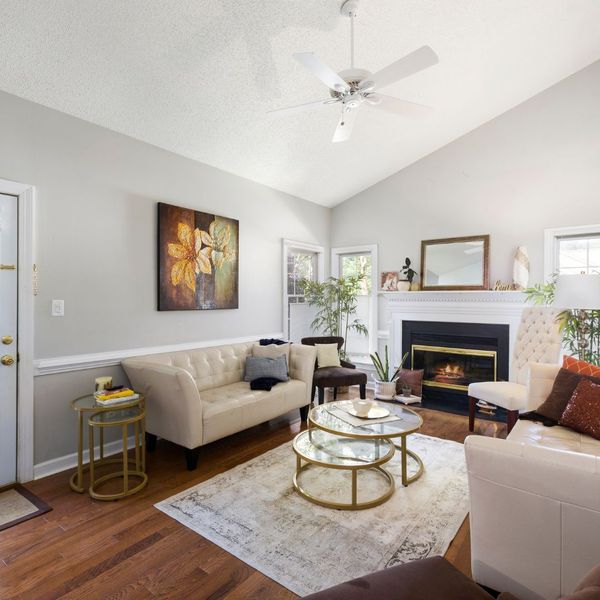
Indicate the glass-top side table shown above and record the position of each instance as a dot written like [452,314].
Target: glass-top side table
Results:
[88,404]
[123,418]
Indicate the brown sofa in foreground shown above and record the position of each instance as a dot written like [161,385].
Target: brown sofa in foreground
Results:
[433,579]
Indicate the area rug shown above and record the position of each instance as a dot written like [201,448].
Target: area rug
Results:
[253,512]
[18,504]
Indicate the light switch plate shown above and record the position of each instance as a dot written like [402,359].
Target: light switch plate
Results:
[58,308]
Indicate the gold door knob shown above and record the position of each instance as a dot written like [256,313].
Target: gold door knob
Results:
[7,339]
[7,360]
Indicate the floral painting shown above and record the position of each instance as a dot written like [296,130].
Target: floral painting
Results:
[197,260]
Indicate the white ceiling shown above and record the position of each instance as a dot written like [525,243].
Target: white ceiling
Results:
[198,76]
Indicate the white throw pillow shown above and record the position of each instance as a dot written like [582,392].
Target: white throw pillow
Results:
[272,351]
[328,355]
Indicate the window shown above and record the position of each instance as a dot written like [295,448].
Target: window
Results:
[578,254]
[352,262]
[572,250]
[354,265]
[301,264]
[300,261]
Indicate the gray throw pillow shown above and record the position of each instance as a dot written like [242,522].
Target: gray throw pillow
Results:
[257,367]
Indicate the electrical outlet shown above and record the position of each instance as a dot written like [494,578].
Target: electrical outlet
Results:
[58,308]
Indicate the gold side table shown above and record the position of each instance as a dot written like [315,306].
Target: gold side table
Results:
[87,404]
[119,417]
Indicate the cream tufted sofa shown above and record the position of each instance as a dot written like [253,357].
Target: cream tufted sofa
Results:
[198,396]
[535,503]
[538,341]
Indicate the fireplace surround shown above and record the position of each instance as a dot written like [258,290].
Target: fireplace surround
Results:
[453,355]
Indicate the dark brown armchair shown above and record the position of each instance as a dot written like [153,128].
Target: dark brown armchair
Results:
[335,377]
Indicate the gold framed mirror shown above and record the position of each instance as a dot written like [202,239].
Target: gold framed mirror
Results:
[460,263]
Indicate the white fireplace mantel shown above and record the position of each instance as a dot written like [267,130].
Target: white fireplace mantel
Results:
[449,306]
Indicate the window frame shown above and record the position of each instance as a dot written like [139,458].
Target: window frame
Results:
[287,246]
[551,237]
[371,249]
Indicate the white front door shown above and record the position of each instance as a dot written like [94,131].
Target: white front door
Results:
[8,338]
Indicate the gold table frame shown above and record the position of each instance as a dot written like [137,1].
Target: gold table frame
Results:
[76,479]
[405,453]
[139,471]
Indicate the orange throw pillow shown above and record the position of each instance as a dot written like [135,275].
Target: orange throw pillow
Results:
[580,367]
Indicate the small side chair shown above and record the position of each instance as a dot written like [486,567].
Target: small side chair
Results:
[538,340]
[334,377]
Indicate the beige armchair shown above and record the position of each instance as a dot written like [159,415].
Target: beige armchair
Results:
[538,340]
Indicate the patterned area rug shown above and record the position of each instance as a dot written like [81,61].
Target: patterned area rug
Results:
[253,512]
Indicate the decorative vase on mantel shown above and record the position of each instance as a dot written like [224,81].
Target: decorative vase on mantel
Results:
[403,285]
[521,268]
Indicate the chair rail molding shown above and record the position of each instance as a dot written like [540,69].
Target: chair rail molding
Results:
[79,362]
[449,306]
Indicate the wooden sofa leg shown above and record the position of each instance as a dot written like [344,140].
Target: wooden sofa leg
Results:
[472,403]
[335,393]
[304,412]
[191,458]
[321,395]
[312,394]
[363,391]
[150,442]
[512,416]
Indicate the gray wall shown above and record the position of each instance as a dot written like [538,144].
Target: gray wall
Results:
[535,166]
[96,227]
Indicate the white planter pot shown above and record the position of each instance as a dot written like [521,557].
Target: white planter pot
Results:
[385,390]
[403,285]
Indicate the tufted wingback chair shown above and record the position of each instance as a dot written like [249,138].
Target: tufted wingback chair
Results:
[538,340]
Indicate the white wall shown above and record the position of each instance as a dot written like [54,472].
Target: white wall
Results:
[96,247]
[536,166]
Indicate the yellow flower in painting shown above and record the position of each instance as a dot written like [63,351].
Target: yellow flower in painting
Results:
[191,260]
[216,240]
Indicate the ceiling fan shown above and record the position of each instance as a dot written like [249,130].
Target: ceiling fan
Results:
[354,87]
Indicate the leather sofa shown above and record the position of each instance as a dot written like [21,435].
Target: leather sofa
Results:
[535,504]
[194,397]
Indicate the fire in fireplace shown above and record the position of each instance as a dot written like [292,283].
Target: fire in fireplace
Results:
[454,368]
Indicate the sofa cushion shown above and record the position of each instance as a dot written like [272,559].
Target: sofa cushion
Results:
[273,368]
[509,395]
[564,385]
[558,438]
[231,408]
[338,377]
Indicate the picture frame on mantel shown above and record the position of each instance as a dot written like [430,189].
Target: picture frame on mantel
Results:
[460,263]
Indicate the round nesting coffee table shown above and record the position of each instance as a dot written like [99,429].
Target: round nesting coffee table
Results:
[336,440]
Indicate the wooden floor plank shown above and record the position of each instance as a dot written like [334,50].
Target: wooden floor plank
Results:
[128,550]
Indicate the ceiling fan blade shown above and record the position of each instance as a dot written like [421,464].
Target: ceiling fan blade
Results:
[328,76]
[398,106]
[298,108]
[412,63]
[345,125]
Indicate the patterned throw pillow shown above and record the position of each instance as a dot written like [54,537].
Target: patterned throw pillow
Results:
[583,410]
[580,366]
[257,367]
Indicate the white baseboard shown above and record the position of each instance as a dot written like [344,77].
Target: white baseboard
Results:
[62,463]
[78,362]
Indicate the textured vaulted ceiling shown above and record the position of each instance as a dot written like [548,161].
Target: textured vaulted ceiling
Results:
[198,76]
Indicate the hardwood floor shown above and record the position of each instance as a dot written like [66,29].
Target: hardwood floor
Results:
[130,550]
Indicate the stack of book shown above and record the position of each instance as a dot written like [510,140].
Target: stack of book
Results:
[110,397]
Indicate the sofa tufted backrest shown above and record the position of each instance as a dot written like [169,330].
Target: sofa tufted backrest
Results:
[210,367]
[538,340]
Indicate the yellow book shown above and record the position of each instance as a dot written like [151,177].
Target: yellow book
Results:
[108,395]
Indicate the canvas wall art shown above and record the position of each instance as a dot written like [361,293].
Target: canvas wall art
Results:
[198,259]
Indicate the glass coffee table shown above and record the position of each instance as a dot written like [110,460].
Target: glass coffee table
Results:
[336,440]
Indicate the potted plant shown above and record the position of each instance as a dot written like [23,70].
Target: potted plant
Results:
[337,302]
[385,382]
[404,285]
